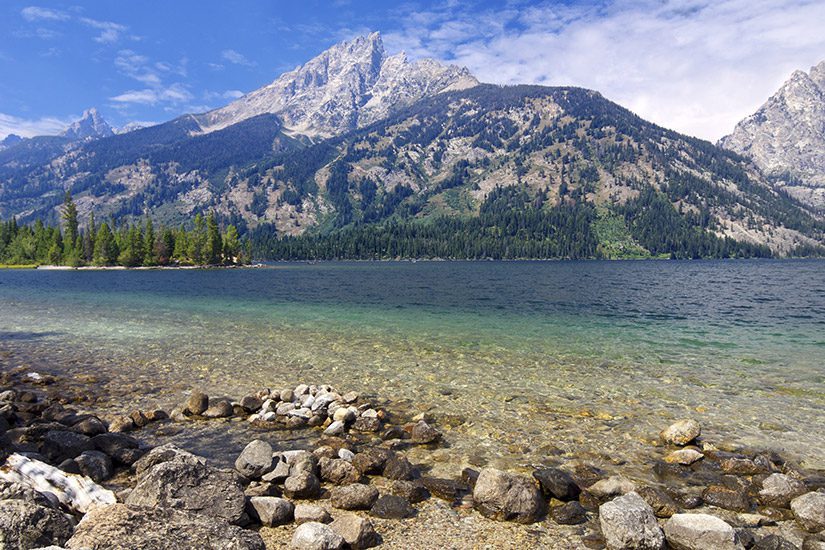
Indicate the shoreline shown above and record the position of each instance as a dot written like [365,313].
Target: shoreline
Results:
[695,476]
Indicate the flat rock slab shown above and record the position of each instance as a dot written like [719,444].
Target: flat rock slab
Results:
[699,532]
[191,486]
[130,528]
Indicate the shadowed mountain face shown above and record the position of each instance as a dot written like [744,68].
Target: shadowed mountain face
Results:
[418,142]
[786,136]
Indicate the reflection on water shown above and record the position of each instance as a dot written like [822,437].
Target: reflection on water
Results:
[538,358]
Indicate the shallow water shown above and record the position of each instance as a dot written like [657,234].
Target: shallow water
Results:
[542,359]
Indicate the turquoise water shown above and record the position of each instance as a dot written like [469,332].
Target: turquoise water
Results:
[538,359]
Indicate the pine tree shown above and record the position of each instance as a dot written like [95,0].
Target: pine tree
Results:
[69,215]
[106,250]
[149,257]
[214,245]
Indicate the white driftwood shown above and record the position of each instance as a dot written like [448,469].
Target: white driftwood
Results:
[76,492]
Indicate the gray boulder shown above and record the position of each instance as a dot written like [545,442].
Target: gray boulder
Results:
[59,445]
[699,532]
[24,524]
[95,465]
[557,483]
[392,507]
[129,528]
[356,496]
[358,532]
[809,510]
[219,409]
[123,449]
[309,512]
[780,489]
[302,484]
[197,403]
[316,536]
[628,522]
[424,433]
[166,453]
[255,460]
[338,471]
[271,511]
[191,486]
[507,497]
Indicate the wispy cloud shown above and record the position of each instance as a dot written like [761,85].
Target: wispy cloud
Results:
[106,32]
[697,66]
[26,127]
[36,13]
[236,58]
[109,31]
[175,93]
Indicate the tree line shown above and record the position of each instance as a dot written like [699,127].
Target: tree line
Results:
[127,244]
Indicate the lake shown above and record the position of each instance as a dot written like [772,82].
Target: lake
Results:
[521,361]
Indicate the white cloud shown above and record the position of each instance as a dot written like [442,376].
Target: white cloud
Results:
[232,94]
[109,31]
[698,66]
[44,126]
[236,58]
[36,13]
[176,94]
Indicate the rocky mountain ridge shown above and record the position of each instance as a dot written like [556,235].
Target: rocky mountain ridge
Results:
[348,86]
[90,126]
[785,137]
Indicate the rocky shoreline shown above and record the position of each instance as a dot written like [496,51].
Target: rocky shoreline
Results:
[71,479]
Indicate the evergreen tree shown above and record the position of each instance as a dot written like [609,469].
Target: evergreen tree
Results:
[69,215]
[106,250]
[149,257]
[214,245]
[231,245]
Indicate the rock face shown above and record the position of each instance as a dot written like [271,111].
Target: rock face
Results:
[127,527]
[628,522]
[787,134]
[90,126]
[27,525]
[507,497]
[348,86]
[700,531]
[809,510]
[191,486]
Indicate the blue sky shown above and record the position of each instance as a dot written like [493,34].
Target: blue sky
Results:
[697,66]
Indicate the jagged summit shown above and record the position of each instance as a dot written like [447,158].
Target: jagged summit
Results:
[348,86]
[786,135]
[90,126]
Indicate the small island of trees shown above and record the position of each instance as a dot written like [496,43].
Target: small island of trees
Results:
[127,244]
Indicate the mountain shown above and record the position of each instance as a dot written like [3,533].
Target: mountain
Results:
[465,171]
[785,137]
[346,87]
[10,141]
[90,126]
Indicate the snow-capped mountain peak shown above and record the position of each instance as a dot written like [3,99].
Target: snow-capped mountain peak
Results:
[90,126]
[348,86]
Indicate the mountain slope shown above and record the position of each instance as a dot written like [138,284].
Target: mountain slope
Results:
[786,136]
[641,187]
[347,86]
